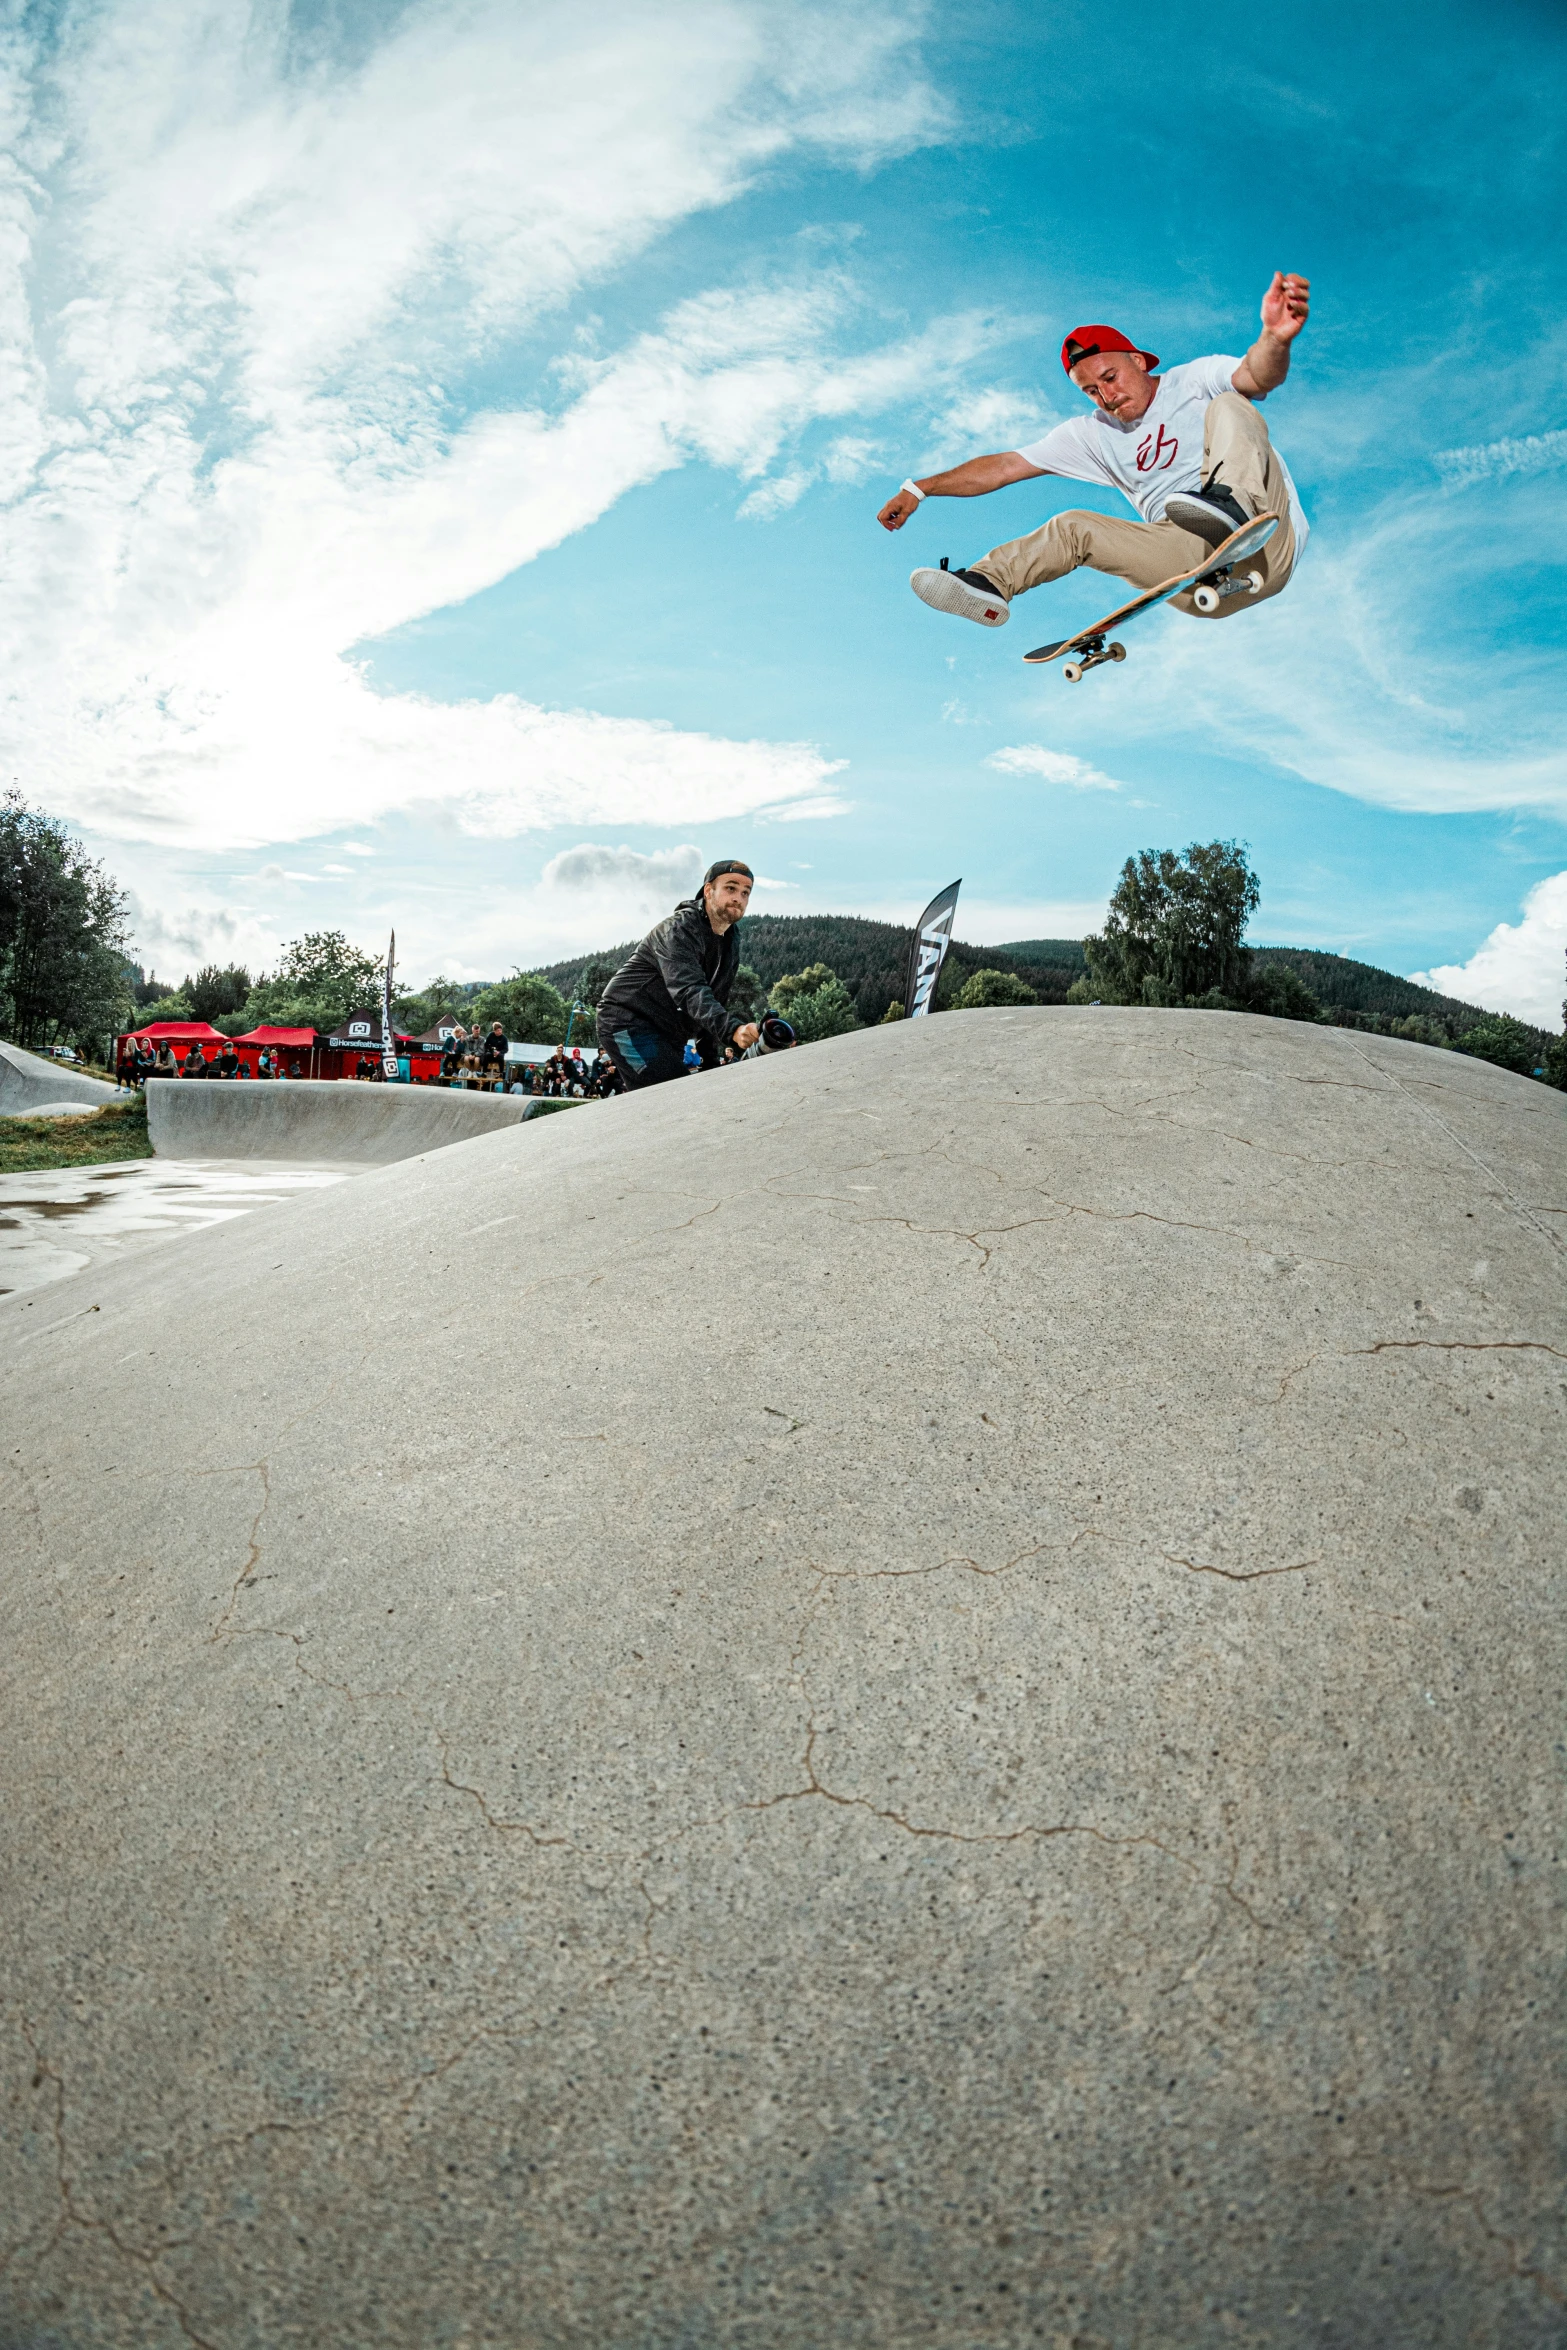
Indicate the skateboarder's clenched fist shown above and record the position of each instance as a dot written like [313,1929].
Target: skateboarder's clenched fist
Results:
[897,510]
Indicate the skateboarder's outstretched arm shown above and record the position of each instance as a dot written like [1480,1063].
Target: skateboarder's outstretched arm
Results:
[1267,363]
[970,480]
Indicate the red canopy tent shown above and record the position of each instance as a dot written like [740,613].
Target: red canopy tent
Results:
[175,1032]
[289,1046]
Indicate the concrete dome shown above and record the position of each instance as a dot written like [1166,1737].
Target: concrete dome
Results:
[902,1697]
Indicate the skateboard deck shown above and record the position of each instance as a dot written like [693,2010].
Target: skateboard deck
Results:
[1214,578]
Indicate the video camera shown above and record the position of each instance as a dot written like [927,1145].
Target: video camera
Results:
[776,1036]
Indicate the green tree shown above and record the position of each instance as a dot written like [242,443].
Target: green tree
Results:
[894,1011]
[1418,1028]
[795,983]
[593,980]
[1275,989]
[1174,927]
[1510,1043]
[528,1008]
[173,1006]
[748,997]
[1555,1057]
[63,971]
[815,1003]
[213,992]
[419,1010]
[983,988]
[319,980]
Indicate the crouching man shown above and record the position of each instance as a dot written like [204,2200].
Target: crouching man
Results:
[677,984]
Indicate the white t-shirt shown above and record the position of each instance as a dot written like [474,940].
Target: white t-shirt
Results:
[1161,452]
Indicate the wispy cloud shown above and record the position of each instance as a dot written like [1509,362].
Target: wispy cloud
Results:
[246,289]
[1522,966]
[1359,684]
[805,811]
[1489,460]
[1051,767]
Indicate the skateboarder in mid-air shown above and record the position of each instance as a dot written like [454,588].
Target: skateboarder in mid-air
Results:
[1188,448]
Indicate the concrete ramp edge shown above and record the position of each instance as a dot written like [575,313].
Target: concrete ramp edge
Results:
[317,1119]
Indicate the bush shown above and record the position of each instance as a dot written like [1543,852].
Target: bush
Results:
[1509,1043]
[984,988]
[895,1011]
[1418,1028]
[815,1003]
[1274,989]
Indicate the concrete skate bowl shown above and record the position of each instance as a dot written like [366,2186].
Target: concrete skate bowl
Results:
[323,1121]
[989,1782]
[33,1087]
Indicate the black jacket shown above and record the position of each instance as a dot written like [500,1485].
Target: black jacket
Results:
[678,981]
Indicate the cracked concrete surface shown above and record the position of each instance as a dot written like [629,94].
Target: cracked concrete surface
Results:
[994,1780]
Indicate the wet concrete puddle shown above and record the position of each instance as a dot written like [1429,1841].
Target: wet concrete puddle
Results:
[57,1221]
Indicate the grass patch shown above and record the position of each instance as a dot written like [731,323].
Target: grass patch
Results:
[117,1131]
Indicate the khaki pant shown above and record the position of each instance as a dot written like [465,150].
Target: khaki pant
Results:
[1235,445]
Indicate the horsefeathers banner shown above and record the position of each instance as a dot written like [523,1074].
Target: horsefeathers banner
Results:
[388,1040]
[928,950]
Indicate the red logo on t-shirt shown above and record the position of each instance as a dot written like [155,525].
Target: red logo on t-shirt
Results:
[1156,456]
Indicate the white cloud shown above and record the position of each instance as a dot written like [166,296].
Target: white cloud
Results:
[356,848]
[1535,452]
[659,878]
[802,811]
[1052,766]
[1520,968]
[994,418]
[777,496]
[258,289]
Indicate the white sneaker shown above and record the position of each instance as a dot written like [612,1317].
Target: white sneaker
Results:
[967,593]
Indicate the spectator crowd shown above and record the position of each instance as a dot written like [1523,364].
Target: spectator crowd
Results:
[468,1061]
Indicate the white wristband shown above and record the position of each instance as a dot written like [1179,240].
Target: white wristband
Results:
[913,489]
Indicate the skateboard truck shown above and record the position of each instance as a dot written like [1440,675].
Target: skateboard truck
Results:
[1208,595]
[1208,583]
[1214,586]
[1093,652]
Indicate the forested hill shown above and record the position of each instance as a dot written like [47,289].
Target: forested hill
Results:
[1344,985]
[870,958]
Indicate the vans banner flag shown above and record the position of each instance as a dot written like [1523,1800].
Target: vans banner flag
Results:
[388,1040]
[928,950]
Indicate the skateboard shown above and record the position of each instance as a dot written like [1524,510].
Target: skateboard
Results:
[1216,576]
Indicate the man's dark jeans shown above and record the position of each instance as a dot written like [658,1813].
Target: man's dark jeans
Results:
[642,1056]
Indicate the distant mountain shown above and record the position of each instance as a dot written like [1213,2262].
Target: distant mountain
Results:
[869,957]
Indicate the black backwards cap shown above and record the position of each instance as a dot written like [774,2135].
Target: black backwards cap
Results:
[727,865]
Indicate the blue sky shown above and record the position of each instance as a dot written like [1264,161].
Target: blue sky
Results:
[441,450]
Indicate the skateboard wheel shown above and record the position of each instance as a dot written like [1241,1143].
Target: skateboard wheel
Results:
[1255,583]
[1116,652]
[1073,673]
[1206,599]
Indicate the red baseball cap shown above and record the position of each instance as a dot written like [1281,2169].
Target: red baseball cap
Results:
[1085,342]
